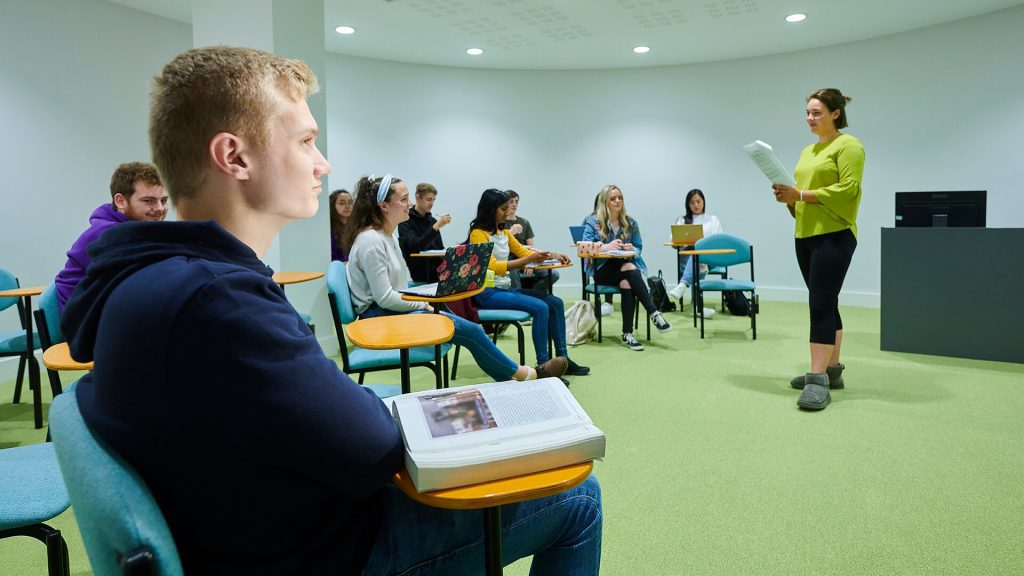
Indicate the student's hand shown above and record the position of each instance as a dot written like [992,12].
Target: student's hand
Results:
[430,308]
[613,245]
[516,229]
[627,246]
[561,257]
[536,257]
[442,222]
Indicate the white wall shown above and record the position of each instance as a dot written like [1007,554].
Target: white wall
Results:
[937,109]
[74,103]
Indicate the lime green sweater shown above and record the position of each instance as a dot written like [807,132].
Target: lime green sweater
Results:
[833,171]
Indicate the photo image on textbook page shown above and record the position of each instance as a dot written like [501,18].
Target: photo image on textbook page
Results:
[456,412]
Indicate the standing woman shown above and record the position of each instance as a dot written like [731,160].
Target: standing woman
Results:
[376,270]
[341,210]
[824,203]
[547,311]
[618,231]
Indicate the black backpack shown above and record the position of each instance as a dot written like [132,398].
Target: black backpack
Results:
[659,294]
[737,303]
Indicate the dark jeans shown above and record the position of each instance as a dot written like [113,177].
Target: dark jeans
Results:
[824,260]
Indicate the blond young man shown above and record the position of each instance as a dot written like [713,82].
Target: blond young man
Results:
[263,456]
[136,193]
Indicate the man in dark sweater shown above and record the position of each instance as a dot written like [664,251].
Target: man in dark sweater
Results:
[422,232]
[262,455]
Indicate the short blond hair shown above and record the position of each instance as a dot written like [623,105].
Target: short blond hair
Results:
[215,89]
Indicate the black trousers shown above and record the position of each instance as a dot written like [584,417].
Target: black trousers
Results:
[610,275]
[824,260]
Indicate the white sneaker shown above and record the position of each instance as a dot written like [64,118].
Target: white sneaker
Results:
[606,309]
[708,313]
[630,341]
[678,291]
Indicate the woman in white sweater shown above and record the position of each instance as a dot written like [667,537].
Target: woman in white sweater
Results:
[695,214]
[376,270]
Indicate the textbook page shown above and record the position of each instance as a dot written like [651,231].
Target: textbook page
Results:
[472,434]
[766,160]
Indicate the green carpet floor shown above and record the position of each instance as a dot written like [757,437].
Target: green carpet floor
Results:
[915,468]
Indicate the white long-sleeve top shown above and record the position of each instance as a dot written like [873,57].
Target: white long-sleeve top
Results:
[709,221]
[376,270]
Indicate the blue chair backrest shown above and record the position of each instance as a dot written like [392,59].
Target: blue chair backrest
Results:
[577,233]
[51,311]
[116,513]
[7,282]
[337,284]
[741,246]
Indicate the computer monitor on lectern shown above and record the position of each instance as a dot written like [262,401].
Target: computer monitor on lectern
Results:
[941,209]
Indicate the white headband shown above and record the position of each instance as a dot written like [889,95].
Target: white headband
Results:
[385,185]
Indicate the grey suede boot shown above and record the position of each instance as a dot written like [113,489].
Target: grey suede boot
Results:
[835,378]
[815,395]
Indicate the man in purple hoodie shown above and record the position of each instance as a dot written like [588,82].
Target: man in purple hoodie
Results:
[137,194]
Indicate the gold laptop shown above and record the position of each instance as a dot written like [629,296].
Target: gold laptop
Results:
[687,233]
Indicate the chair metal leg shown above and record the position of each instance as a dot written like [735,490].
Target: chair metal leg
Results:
[492,541]
[361,375]
[753,313]
[438,382]
[21,376]
[521,336]
[406,380]
[37,390]
[446,381]
[455,363]
[56,548]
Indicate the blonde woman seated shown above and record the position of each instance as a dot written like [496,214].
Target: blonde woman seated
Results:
[376,268]
[616,230]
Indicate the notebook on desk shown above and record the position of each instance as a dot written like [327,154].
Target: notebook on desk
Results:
[464,268]
[687,233]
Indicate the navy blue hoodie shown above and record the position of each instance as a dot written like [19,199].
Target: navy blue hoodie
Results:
[263,456]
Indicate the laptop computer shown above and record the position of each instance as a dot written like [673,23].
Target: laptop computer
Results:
[687,233]
[464,268]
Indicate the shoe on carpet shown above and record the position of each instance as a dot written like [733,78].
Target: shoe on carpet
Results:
[660,323]
[630,341]
[708,313]
[575,369]
[606,309]
[815,395]
[564,381]
[678,291]
[554,367]
[835,378]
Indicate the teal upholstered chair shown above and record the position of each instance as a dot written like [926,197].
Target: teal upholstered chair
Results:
[122,527]
[15,344]
[744,254]
[48,324]
[32,492]
[359,360]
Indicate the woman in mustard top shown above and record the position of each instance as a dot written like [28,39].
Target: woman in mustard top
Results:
[824,203]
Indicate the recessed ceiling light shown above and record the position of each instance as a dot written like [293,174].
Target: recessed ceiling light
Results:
[345,30]
[474,51]
[642,49]
[796,17]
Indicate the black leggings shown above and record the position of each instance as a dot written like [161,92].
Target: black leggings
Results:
[610,275]
[824,261]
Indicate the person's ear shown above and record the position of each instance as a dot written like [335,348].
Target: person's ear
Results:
[230,155]
[120,202]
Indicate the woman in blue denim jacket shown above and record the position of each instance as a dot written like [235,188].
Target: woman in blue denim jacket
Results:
[616,230]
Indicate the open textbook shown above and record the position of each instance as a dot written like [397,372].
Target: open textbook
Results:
[472,434]
[765,158]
